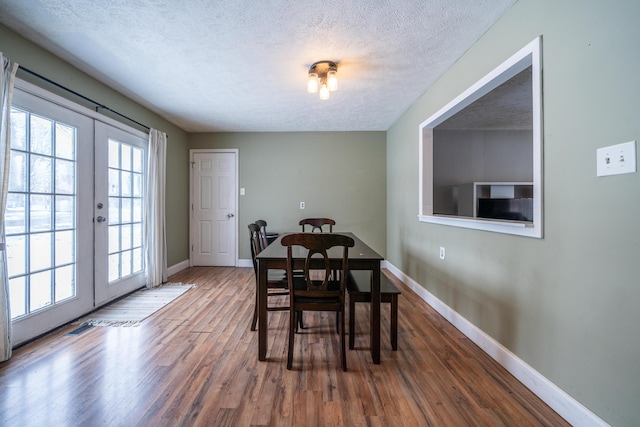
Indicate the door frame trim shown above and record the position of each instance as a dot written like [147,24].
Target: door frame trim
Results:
[193,151]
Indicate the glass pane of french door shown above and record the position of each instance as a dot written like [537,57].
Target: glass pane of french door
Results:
[125,210]
[48,238]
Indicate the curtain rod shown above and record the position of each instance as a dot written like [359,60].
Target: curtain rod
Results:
[97,104]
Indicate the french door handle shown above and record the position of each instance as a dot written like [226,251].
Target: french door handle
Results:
[101,219]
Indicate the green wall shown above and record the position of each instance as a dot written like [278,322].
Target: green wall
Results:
[339,175]
[42,62]
[566,304]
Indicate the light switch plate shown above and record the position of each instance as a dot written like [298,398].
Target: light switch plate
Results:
[616,159]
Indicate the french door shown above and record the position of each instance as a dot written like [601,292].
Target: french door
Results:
[120,162]
[66,254]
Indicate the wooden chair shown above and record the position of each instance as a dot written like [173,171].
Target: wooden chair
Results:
[276,279]
[316,224]
[266,238]
[359,288]
[315,291]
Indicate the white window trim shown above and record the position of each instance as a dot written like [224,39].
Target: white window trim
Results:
[528,55]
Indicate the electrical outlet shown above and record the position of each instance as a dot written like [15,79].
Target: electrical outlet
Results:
[442,252]
[301,205]
[616,159]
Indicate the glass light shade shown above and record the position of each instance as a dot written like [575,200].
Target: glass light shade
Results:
[312,83]
[324,91]
[332,80]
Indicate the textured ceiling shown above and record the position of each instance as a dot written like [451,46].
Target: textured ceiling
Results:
[508,106]
[241,65]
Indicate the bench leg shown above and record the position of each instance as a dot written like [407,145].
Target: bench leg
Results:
[352,322]
[394,322]
[393,328]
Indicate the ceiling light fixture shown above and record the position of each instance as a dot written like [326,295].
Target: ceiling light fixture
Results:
[322,78]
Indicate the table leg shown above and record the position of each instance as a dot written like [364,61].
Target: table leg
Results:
[375,315]
[262,310]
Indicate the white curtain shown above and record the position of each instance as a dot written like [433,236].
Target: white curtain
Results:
[156,242]
[9,69]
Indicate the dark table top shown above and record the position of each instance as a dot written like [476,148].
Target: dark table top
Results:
[359,252]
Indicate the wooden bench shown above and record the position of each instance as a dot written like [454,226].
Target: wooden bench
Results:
[359,287]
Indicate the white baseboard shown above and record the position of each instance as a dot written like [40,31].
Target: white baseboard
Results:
[566,406]
[244,263]
[185,264]
[177,267]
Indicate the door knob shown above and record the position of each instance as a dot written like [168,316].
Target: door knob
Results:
[230,215]
[101,219]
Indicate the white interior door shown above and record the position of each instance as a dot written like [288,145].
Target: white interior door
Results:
[48,219]
[213,207]
[120,171]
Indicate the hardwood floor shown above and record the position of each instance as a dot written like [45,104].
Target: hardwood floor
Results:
[196,363]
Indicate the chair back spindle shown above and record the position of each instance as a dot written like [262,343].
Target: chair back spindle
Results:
[316,224]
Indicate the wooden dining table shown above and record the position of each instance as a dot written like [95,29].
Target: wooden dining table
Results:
[361,257]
